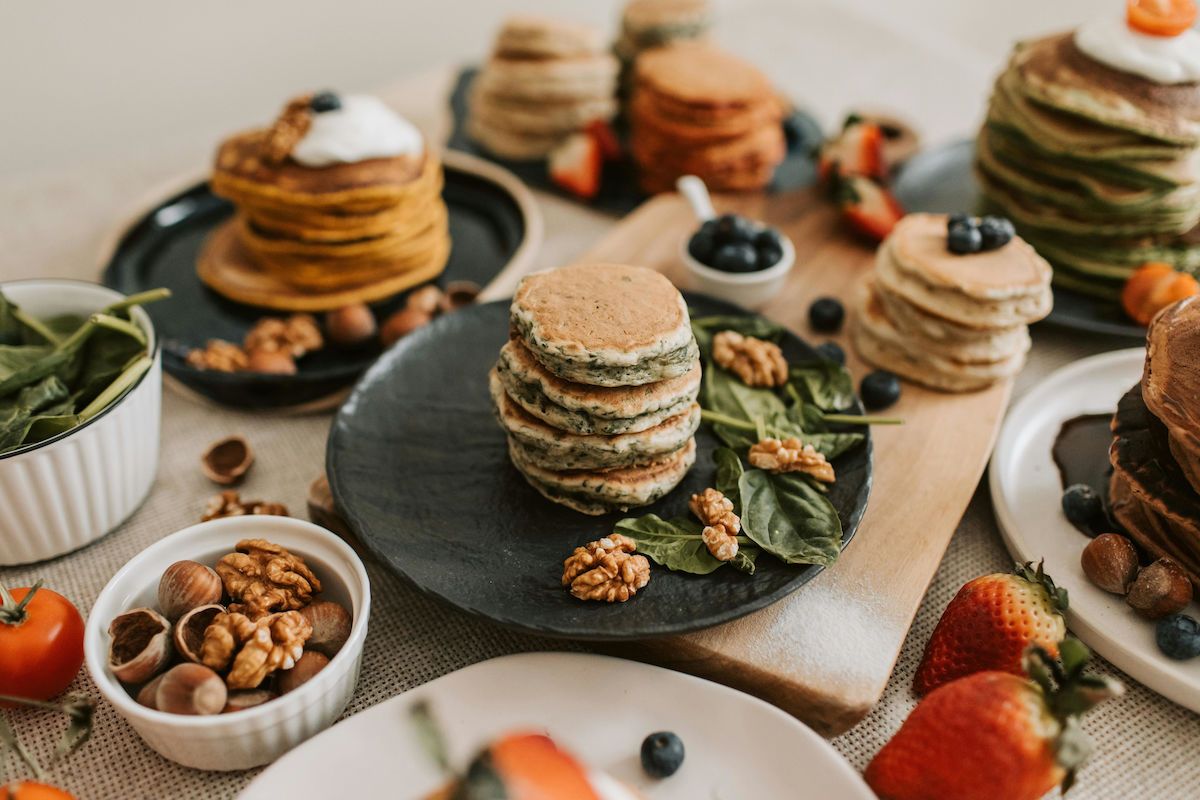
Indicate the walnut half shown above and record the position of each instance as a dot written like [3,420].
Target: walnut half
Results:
[606,570]
[791,455]
[756,362]
[296,335]
[721,525]
[262,577]
[254,647]
[229,503]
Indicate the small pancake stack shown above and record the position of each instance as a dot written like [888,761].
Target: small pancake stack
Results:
[951,322]
[697,110]
[1098,168]
[647,24]
[318,237]
[545,80]
[596,387]
[1154,493]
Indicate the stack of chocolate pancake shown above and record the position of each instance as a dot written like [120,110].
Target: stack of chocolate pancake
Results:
[1154,493]
[697,110]
[1098,168]
[596,388]
[545,80]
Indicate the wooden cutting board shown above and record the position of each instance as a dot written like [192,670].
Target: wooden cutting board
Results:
[825,653]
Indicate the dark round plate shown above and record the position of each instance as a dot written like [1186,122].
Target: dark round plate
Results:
[487,226]
[420,471]
[942,180]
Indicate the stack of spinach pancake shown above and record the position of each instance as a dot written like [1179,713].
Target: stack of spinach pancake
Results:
[596,387]
[1096,163]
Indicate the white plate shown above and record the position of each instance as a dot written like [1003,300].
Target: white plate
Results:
[737,747]
[1026,493]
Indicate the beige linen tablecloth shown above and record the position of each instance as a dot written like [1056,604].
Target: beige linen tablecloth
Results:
[50,225]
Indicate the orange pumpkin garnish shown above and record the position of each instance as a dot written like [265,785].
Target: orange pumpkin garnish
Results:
[531,767]
[1153,287]
[1161,17]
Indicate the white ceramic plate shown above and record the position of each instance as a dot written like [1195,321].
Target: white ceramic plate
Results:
[600,708]
[1026,493]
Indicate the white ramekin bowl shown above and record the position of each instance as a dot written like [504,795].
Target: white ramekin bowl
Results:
[746,289]
[256,735]
[68,491]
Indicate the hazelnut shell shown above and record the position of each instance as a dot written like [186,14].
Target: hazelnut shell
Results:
[401,324]
[457,295]
[241,699]
[323,511]
[425,299]
[1159,590]
[330,627]
[148,694]
[310,663]
[186,585]
[140,646]
[191,689]
[226,461]
[189,630]
[1110,561]
[350,325]
[271,362]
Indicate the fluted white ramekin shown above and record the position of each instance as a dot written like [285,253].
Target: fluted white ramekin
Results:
[260,734]
[68,491]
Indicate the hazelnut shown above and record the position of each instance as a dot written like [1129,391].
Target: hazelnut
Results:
[186,585]
[189,630]
[323,511]
[401,324]
[350,325]
[272,362]
[241,699]
[330,627]
[425,299]
[227,460]
[140,646]
[191,689]
[309,665]
[458,294]
[1159,590]
[1110,561]
[148,695]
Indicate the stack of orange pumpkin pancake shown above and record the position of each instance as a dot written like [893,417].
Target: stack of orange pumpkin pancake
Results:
[697,110]
[338,202]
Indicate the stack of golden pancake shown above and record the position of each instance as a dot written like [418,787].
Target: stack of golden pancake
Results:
[314,238]
[951,322]
[545,80]
[647,24]
[697,110]
[597,385]
[1154,492]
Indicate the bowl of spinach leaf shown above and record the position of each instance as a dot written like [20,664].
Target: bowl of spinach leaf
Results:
[80,404]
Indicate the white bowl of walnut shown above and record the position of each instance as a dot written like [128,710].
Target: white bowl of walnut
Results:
[273,634]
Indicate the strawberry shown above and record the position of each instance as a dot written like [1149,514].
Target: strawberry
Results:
[575,165]
[606,138]
[857,150]
[988,625]
[866,205]
[993,735]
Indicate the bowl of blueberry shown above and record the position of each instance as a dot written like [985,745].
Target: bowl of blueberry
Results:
[737,259]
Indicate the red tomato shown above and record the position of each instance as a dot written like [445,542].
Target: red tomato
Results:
[23,790]
[41,643]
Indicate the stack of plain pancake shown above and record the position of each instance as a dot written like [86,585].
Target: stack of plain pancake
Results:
[647,24]
[1099,169]
[312,238]
[951,322]
[697,110]
[1154,493]
[545,80]
[596,387]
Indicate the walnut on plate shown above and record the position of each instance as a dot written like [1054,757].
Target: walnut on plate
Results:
[253,648]
[220,356]
[262,577]
[606,570]
[791,455]
[296,335]
[229,503]
[756,362]
[721,525]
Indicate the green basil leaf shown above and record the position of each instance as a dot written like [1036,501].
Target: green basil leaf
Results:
[729,471]
[824,383]
[674,544]
[789,519]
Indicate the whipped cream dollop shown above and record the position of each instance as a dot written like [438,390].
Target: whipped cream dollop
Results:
[362,128]
[1161,59]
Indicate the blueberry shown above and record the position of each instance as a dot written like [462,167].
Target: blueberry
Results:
[1178,636]
[709,226]
[768,255]
[732,228]
[700,246]
[995,232]
[879,389]
[960,220]
[826,314]
[769,237]
[964,240]
[832,351]
[325,101]
[1084,509]
[662,754]
[735,257]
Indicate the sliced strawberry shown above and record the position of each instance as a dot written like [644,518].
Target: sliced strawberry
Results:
[602,132]
[868,207]
[858,150]
[575,165]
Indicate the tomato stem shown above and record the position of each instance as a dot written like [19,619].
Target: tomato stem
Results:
[13,612]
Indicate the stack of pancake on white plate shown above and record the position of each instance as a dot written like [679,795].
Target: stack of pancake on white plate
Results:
[947,321]
[545,80]
[596,387]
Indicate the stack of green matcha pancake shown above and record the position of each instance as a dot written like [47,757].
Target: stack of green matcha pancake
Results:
[596,387]
[1098,168]
[944,320]
[545,80]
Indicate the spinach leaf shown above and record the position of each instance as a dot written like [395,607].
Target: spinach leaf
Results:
[745,559]
[729,471]
[705,328]
[789,519]
[827,385]
[48,396]
[674,544]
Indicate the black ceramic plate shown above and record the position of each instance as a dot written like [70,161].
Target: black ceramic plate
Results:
[942,180]
[420,471]
[487,226]
[619,192]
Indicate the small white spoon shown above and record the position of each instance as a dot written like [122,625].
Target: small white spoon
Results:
[692,188]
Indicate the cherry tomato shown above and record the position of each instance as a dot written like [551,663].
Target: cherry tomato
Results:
[24,790]
[41,643]
[1161,17]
